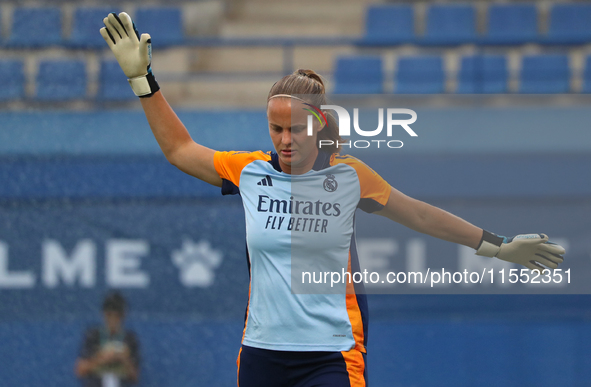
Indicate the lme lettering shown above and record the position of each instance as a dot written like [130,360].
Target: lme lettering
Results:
[345,127]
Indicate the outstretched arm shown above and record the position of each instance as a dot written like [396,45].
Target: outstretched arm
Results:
[133,52]
[533,251]
[430,220]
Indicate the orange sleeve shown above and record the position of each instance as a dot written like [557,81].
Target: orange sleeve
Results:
[372,185]
[229,165]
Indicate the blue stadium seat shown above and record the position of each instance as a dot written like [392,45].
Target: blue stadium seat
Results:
[36,27]
[569,23]
[12,80]
[512,24]
[587,76]
[164,24]
[359,75]
[86,24]
[388,25]
[450,24]
[61,80]
[420,75]
[113,85]
[483,74]
[545,74]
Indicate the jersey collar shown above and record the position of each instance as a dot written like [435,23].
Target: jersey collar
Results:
[322,161]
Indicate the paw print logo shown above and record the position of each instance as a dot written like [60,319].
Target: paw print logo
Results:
[197,263]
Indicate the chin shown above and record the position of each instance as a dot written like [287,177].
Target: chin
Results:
[287,161]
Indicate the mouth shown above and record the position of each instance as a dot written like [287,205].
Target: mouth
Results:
[287,152]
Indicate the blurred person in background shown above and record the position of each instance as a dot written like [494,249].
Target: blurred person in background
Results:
[109,356]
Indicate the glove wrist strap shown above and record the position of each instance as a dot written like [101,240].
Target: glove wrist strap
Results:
[490,244]
[144,85]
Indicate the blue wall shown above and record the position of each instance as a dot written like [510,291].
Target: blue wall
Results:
[475,130]
[92,180]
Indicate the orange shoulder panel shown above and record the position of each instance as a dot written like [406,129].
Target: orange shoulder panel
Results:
[373,186]
[229,165]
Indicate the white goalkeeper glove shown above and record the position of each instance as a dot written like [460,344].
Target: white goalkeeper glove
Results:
[533,251]
[134,53]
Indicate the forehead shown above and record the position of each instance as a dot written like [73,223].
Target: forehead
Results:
[285,109]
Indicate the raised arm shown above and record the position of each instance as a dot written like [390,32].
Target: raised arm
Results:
[134,56]
[176,143]
[533,251]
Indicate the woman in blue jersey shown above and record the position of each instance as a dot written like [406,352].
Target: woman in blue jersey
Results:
[299,203]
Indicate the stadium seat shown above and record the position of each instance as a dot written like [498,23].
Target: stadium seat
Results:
[86,24]
[12,80]
[569,23]
[587,76]
[113,85]
[164,23]
[483,74]
[359,75]
[388,25]
[450,24]
[545,74]
[36,27]
[512,24]
[420,75]
[61,80]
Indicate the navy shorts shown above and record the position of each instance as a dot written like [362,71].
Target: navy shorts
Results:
[262,367]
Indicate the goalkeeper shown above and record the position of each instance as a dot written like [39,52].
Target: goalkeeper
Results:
[302,339]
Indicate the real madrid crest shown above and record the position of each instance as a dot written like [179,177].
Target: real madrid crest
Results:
[330,184]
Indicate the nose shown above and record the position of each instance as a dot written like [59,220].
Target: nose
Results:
[286,137]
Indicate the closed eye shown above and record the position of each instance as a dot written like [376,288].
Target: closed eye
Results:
[298,128]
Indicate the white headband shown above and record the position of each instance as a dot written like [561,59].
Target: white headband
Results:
[287,96]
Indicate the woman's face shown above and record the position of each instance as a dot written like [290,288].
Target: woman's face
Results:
[113,320]
[288,129]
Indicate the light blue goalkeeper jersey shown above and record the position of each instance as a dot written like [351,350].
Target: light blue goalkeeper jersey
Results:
[302,220]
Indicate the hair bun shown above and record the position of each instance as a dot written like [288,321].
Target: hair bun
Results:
[310,74]
[301,82]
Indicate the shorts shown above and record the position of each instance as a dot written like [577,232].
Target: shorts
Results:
[262,367]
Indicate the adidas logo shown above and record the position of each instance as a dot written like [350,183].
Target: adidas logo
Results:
[267,182]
